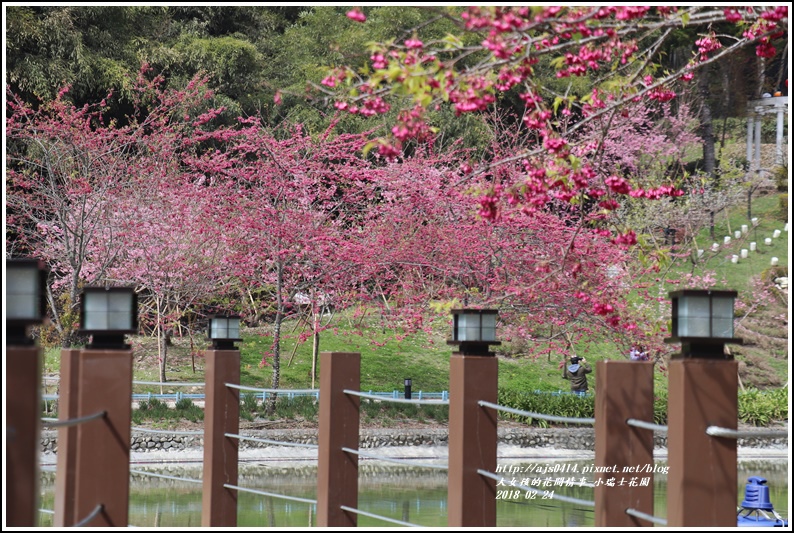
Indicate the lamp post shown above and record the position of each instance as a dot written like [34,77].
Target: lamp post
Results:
[702,392]
[101,462]
[702,322]
[221,417]
[224,331]
[474,330]
[25,306]
[407,384]
[107,314]
[473,374]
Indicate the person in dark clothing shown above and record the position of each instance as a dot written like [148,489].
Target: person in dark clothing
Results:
[577,372]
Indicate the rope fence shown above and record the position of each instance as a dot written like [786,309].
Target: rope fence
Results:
[168,383]
[55,423]
[377,517]
[646,425]
[394,460]
[716,431]
[564,419]
[163,476]
[270,494]
[93,514]
[269,441]
[394,400]
[273,391]
[552,495]
[646,516]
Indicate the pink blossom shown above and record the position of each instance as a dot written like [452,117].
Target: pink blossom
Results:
[357,15]
[378,61]
[732,14]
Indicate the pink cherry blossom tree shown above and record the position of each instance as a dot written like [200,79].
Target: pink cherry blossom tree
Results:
[614,46]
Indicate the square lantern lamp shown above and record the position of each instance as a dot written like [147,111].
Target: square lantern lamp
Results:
[703,322]
[224,331]
[26,303]
[474,330]
[107,314]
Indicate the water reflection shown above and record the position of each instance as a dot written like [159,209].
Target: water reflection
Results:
[408,494]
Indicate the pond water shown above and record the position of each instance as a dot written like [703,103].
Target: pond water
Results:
[408,494]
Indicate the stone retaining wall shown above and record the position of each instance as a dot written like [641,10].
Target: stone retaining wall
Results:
[570,439]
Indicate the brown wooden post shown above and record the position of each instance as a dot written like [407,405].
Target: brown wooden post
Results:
[23,418]
[102,475]
[625,390]
[66,459]
[471,500]
[702,480]
[221,416]
[337,471]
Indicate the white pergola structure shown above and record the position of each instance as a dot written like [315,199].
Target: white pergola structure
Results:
[756,111]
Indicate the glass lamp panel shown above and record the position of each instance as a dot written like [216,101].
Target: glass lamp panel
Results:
[489,327]
[722,328]
[95,320]
[95,311]
[21,306]
[461,327]
[95,302]
[120,310]
[722,307]
[233,329]
[219,328]
[722,323]
[22,293]
[472,328]
[693,316]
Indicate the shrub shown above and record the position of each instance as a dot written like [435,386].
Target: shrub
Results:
[759,408]
[755,407]
[563,404]
[248,403]
[183,404]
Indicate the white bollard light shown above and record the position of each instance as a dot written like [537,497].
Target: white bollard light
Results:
[745,229]
[727,239]
[715,247]
[737,234]
[734,258]
[755,221]
[744,253]
[753,246]
[785,228]
[773,262]
[776,234]
[700,253]
[768,241]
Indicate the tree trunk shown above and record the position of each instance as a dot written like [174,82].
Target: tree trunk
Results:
[162,345]
[316,343]
[163,349]
[271,404]
[707,127]
[711,224]
[760,64]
